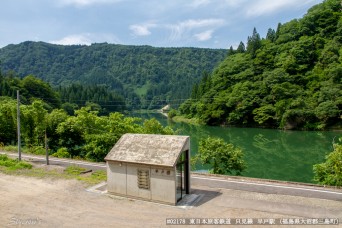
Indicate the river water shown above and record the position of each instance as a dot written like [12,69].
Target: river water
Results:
[269,153]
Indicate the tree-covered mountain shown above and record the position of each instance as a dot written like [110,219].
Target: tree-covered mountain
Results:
[147,77]
[291,79]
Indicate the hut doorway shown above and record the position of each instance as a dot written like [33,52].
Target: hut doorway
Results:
[182,170]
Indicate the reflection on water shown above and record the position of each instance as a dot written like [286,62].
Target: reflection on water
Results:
[270,154]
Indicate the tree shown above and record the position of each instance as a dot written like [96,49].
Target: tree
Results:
[330,171]
[8,119]
[230,51]
[264,114]
[71,136]
[33,123]
[54,118]
[153,126]
[98,145]
[223,157]
[241,48]
[277,31]
[271,35]
[34,87]
[253,43]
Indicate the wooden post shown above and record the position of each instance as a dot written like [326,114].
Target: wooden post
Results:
[18,124]
[46,149]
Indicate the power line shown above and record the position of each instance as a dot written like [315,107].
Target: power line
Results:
[134,102]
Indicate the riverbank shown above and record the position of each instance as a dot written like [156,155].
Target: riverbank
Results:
[182,119]
[197,121]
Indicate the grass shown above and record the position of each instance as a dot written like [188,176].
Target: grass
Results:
[90,179]
[14,167]
[13,164]
[37,173]
[9,148]
[193,121]
[29,150]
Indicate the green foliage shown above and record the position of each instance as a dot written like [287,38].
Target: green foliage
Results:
[85,135]
[223,157]
[30,87]
[36,150]
[61,153]
[241,48]
[253,43]
[13,164]
[70,136]
[290,80]
[330,171]
[172,113]
[53,119]
[33,118]
[33,87]
[98,145]
[264,114]
[8,111]
[152,126]
[271,35]
[98,97]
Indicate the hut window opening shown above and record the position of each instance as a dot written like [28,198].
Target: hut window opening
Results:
[143,179]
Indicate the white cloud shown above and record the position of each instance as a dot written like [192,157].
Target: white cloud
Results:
[262,7]
[191,24]
[199,3]
[204,36]
[185,27]
[86,39]
[142,29]
[235,3]
[86,2]
[73,39]
[212,4]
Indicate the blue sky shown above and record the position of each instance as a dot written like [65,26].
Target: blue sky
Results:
[161,23]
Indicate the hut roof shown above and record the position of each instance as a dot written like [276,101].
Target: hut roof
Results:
[162,150]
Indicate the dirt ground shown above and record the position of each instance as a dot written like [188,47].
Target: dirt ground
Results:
[32,202]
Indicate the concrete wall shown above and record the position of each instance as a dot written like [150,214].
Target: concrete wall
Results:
[132,182]
[122,179]
[116,177]
[163,184]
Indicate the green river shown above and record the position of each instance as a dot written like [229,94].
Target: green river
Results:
[269,153]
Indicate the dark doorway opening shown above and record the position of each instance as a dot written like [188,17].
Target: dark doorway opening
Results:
[182,174]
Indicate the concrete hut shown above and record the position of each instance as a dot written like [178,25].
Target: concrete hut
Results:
[150,167]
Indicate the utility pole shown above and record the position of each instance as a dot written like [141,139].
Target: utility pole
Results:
[46,149]
[18,124]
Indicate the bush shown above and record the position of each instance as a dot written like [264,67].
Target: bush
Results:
[223,157]
[61,153]
[172,113]
[330,171]
[10,148]
[36,150]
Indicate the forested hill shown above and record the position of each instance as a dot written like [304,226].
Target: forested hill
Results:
[152,76]
[291,79]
